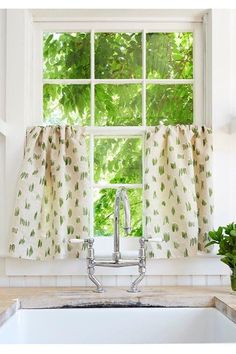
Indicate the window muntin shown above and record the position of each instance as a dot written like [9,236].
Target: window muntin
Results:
[105,79]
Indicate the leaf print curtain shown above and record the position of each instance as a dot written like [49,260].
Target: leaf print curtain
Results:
[178,189]
[52,194]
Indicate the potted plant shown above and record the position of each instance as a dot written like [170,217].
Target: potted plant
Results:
[225,237]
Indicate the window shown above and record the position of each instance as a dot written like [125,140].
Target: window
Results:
[117,82]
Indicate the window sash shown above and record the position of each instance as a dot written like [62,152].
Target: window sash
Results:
[176,25]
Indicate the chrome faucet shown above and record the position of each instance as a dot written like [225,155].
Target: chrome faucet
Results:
[120,195]
[117,260]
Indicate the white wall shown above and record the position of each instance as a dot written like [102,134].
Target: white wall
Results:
[223,93]
[2,62]
[2,138]
[222,74]
[233,115]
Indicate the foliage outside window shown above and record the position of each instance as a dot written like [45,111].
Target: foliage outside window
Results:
[79,89]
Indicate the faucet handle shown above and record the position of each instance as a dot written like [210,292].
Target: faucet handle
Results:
[77,240]
[89,240]
[150,239]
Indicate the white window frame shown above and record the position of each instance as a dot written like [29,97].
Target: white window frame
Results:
[118,131]
[23,92]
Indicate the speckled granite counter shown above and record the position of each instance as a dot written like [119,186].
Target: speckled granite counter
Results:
[12,299]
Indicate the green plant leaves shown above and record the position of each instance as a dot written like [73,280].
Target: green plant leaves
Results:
[233,233]
[225,237]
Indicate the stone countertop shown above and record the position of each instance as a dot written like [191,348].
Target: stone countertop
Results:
[12,299]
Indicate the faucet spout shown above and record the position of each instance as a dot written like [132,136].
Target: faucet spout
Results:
[121,195]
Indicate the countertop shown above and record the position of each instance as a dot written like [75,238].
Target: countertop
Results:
[12,299]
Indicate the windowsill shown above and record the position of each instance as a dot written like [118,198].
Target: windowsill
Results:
[198,265]
[104,246]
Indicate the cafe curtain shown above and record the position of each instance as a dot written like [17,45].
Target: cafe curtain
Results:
[178,200]
[52,194]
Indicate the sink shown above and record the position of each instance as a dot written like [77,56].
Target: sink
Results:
[133,325]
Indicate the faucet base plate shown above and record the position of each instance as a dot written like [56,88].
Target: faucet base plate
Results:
[99,291]
[133,291]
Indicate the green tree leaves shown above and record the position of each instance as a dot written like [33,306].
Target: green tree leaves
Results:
[66,55]
[118,160]
[118,55]
[169,55]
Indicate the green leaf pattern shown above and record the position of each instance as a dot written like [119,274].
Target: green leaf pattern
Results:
[52,195]
[178,196]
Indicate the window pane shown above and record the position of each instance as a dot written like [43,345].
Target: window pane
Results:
[66,104]
[169,104]
[118,55]
[118,160]
[169,55]
[104,212]
[117,105]
[66,55]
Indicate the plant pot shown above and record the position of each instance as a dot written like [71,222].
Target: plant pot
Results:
[233,279]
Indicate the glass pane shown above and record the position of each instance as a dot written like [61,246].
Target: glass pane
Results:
[118,160]
[117,105]
[66,55]
[118,55]
[169,55]
[66,104]
[104,212]
[169,104]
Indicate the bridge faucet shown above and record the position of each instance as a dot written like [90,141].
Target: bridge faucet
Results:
[116,260]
